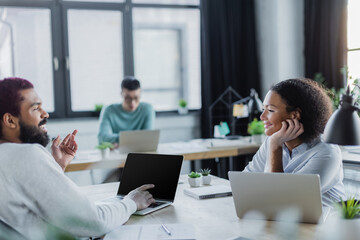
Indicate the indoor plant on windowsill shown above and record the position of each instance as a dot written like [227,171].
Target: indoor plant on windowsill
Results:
[206,178]
[104,148]
[256,129]
[194,179]
[182,106]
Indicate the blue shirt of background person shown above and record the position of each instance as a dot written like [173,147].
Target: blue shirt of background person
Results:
[295,114]
[131,114]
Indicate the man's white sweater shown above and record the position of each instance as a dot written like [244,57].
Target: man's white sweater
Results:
[34,192]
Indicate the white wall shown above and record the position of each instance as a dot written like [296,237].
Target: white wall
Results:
[173,128]
[280,36]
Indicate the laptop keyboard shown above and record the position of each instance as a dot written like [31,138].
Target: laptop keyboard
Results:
[156,204]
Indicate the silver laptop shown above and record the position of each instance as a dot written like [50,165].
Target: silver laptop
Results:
[139,141]
[272,193]
[159,169]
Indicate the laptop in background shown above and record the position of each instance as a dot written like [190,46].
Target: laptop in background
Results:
[161,170]
[271,193]
[139,141]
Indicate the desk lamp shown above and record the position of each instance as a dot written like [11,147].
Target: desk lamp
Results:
[253,109]
[343,127]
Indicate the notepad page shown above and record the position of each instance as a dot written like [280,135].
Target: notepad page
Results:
[178,231]
[153,232]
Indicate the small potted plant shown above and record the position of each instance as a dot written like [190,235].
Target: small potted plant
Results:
[182,106]
[206,178]
[194,179]
[98,107]
[256,129]
[104,148]
[349,222]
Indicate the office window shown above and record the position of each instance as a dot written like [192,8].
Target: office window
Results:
[25,48]
[167,56]
[76,52]
[354,38]
[95,57]
[181,2]
[158,66]
[116,1]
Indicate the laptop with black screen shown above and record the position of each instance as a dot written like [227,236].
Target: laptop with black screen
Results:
[161,170]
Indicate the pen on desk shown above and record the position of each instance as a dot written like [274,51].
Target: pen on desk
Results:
[166,229]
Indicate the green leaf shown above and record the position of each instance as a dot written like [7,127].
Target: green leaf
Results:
[182,103]
[205,172]
[105,145]
[98,107]
[256,127]
[194,175]
[349,209]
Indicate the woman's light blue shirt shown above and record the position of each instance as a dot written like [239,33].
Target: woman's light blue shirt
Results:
[308,158]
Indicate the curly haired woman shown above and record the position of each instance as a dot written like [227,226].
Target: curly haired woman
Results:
[295,114]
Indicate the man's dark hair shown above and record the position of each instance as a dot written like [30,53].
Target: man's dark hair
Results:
[9,96]
[130,83]
[311,99]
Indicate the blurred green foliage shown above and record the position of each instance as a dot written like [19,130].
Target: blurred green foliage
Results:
[256,127]
[335,94]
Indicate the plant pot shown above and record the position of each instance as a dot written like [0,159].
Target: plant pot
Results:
[182,110]
[206,180]
[349,229]
[258,139]
[105,153]
[194,182]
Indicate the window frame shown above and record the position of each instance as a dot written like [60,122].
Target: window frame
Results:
[356,49]
[180,34]
[60,45]
[87,6]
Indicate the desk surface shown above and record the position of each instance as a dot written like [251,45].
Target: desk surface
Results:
[351,154]
[193,150]
[213,219]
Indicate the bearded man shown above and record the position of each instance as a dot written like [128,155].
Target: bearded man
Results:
[34,190]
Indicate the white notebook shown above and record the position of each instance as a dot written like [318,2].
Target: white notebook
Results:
[153,232]
[209,191]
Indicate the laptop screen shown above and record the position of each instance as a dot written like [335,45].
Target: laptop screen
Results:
[139,141]
[158,169]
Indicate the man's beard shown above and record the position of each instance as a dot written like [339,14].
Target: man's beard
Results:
[32,134]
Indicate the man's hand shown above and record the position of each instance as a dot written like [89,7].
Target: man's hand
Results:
[65,151]
[141,196]
[291,129]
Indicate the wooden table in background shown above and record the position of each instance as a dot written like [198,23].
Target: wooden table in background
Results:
[193,150]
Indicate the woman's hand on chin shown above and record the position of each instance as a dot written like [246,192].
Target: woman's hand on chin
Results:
[290,130]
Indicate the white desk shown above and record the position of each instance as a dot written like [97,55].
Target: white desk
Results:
[193,150]
[213,219]
[351,157]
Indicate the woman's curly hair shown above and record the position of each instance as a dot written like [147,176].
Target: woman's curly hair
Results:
[311,99]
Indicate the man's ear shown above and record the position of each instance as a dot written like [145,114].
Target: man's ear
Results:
[9,121]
